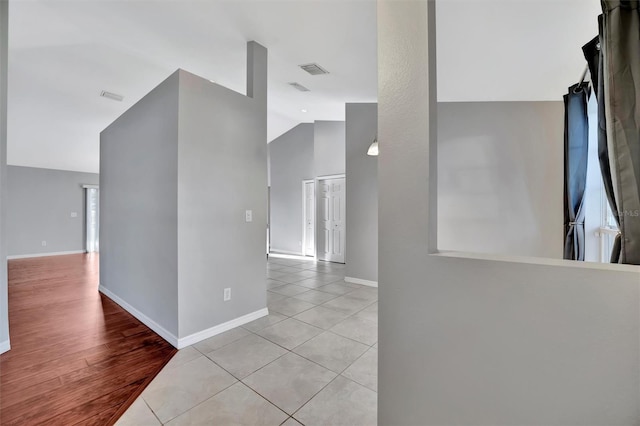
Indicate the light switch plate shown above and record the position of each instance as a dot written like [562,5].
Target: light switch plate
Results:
[74,214]
[248,216]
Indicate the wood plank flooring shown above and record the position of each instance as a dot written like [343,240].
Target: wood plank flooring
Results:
[76,357]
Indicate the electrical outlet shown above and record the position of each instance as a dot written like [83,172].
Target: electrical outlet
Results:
[44,244]
[227,294]
[248,216]
[74,214]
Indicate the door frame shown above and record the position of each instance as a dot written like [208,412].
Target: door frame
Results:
[317,180]
[304,218]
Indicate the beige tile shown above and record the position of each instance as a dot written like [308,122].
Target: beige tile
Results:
[274,297]
[271,283]
[290,333]
[138,414]
[183,356]
[291,269]
[336,288]
[365,370]
[307,274]
[315,297]
[274,275]
[176,390]
[290,381]
[342,402]
[311,283]
[289,290]
[329,278]
[290,306]
[290,278]
[369,313]
[346,304]
[266,321]
[332,351]
[220,340]
[246,355]
[237,405]
[322,317]
[275,267]
[357,329]
[366,294]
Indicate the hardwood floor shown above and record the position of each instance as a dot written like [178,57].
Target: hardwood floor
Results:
[76,357]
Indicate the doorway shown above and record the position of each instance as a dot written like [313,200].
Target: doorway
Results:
[92,218]
[309,218]
[331,218]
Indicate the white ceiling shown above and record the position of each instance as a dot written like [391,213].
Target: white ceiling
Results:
[63,53]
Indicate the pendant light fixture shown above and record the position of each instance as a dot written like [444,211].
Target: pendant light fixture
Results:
[373,148]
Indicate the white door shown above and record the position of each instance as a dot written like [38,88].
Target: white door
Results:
[331,219]
[309,244]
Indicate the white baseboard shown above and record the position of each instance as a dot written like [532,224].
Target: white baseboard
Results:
[56,253]
[361,282]
[161,331]
[188,340]
[293,253]
[221,328]
[5,346]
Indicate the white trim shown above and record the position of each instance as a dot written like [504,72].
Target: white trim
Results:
[293,253]
[91,186]
[161,331]
[5,346]
[221,328]
[538,261]
[290,256]
[342,175]
[188,340]
[304,217]
[361,282]
[57,253]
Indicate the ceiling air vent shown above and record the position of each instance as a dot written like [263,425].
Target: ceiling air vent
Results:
[299,87]
[112,96]
[314,69]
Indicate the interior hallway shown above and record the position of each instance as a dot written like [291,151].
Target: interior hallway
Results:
[312,361]
[76,357]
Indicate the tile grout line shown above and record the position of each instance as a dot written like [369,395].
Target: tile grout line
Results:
[239,380]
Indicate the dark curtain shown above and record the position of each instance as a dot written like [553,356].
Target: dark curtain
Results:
[576,148]
[620,46]
[593,55]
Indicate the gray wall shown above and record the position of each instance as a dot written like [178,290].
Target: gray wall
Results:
[222,172]
[139,205]
[328,145]
[39,209]
[4,45]
[484,340]
[178,171]
[500,167]
[291,158]
[362,192]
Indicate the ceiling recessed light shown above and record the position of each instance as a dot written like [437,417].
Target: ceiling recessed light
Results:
[304,110]
[112,96]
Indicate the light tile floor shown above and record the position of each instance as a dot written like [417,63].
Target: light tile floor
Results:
[312,361]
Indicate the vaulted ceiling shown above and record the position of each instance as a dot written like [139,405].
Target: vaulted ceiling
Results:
[64,53]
